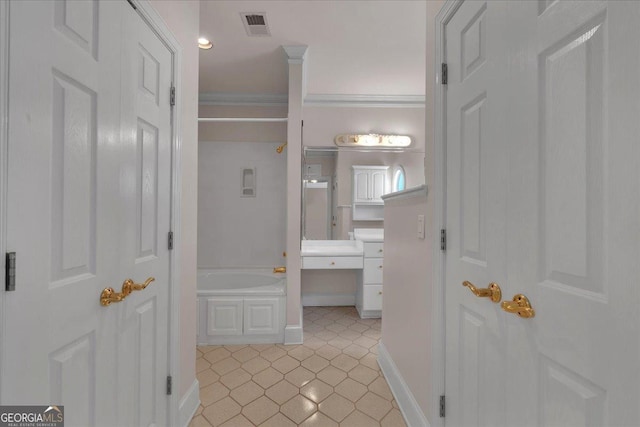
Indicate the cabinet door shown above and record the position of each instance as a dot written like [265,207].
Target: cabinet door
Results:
[372,297]
[261,316]
[224,316]
[361,184]
[377,182]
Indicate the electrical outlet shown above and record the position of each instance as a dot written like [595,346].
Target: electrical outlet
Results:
[420,226]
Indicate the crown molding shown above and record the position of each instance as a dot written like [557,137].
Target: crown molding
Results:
[378,101]
[244,99]
[311,100]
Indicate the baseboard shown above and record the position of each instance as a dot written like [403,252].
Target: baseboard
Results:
[413,415]
[324,300]
[189,404]
[293,333]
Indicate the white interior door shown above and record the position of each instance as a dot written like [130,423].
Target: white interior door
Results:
[88,207]
[566,126]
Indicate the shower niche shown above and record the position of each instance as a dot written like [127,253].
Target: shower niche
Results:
[248,182]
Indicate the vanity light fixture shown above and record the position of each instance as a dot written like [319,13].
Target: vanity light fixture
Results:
[204,43]
[372,140]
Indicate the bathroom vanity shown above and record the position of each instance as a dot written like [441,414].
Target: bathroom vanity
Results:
[332,254]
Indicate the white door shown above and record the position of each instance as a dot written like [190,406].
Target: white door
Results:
[560,109]
[88,207]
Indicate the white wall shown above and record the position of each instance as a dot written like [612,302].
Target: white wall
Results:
[183,19]
[409,300]
[235,231]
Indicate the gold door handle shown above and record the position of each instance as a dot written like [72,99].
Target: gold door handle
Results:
[493,291]
[109,295]
[520,306]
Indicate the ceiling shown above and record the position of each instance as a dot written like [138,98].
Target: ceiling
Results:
[372,47]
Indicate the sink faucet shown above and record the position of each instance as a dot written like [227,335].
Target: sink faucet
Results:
[280,269]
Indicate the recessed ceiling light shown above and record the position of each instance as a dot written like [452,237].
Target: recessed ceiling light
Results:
[204,43]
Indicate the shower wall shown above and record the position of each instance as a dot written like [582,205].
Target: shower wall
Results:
[236,231]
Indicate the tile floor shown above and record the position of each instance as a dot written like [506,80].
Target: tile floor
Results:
[333,379]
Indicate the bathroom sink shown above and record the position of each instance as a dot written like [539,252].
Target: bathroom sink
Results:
[331,248]
[369,234]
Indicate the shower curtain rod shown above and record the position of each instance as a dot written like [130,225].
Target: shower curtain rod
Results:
[242,119]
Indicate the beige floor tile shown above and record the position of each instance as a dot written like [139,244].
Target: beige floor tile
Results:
[298,409]
[260,347]
[372,333]
[374,349]
[332,375]
[344,362]
[323,321]
[350,334]
[225,366]
[300,376]
[213,393]
[207,377]
[325,335]
[256,365]
[260,410]
[245,354]
[363,375]
[272,354]
[336,407]
[395,404]
[351,389]
[313,343]
[281,392]
[221,411]
[238,421]
[315,363]
[235,379]
[199,410]
[301,352]
[199,421]
[370,361]
[364,341]
[313,328]
[316,390]
[374,406]
[393,419]
[329,352]
[311,317]
[336,327]
[201,365]
[285,364]
[216,354]
[278,420]
[345,321]
[267,378]
[340,342]
[247,393]
[358,327]
[356,351]
[380,387]
[319,420]
[358,419]
[234,348]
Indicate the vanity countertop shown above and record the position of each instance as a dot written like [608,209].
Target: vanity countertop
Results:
[369,234]
[316,248]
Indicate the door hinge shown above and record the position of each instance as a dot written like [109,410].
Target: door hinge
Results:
[169,385]
[132,4]
[443,239]
[445,73]
[172,96]
[442,406]
[10,272]
[170,240]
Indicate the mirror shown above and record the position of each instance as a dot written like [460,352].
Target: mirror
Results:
[327,188]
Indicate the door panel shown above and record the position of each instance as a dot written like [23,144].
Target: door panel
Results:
[565,125]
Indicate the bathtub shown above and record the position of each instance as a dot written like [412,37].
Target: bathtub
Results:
[240,306]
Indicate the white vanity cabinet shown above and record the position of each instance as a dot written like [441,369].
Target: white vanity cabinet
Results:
[369,286]
[369,185]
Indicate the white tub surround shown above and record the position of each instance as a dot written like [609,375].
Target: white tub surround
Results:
[241,306]
[332,254]
[369,280]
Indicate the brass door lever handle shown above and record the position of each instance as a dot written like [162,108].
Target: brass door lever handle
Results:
[493,291]
[109,295]
[520,306]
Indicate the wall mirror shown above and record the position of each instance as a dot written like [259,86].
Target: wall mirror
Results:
[328,187]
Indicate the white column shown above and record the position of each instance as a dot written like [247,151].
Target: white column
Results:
[297,90]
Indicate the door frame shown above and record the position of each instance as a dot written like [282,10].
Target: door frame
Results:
[157,24]
[439,189]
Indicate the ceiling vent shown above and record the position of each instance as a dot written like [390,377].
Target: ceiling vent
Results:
[255,24]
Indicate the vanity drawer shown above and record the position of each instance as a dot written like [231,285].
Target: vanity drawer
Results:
[372,272]
[336,262]
[373,250]
[372,297]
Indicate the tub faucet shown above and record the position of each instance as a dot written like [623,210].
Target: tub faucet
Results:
[279,269]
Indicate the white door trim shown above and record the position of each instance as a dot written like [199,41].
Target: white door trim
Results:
[4,158]
[157,24]
[439,186]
